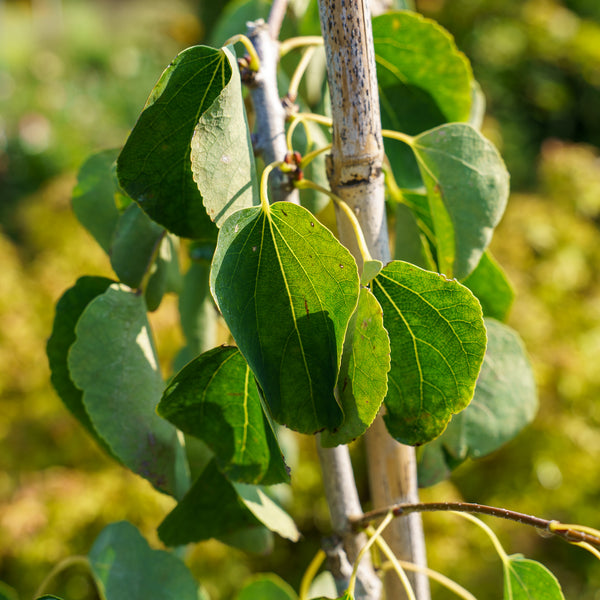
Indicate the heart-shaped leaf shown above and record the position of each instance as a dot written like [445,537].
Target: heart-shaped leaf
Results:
[362,384]
[467,187]
[126,568]
[267,586]
[526,579]
[215,508]
[437,342]
[424,81]
[287,289]
[222,156]
[114,364]
[68,310]
[215,399]
[134,245]
[154,167]
[94,196]
[505,401]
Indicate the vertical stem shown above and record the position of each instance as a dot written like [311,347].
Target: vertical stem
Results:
[269,137]
[354,170]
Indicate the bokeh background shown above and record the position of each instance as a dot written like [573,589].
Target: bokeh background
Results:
[74,75]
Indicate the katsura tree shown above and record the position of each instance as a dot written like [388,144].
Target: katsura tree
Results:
[384,321]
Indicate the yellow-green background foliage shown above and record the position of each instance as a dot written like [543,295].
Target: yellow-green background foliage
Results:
[73,77]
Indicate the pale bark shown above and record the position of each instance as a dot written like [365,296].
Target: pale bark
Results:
[354,169]
[269,136]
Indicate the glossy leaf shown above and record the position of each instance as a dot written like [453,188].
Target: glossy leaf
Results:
[126,568]
[94,196]
[222,155]
[68,310]
[362,383]
[154,167]
[214,398]
[492,288]
[114,363]
[287,289]
[505,401]
[526,579]
[467,186]
[437,342]
[267,586]
[424,81]
[134,246]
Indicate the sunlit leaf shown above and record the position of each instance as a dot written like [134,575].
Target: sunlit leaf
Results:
[526,579]
[154,167]
[114,363]
[222,155]
[94,196]
[267,511]
[126,568]
[505,401]
[215,398]
[362,383]
[467,186]
[424,81]
[216,508]
[68,310]
[437,342]
[267,586]
[287,289]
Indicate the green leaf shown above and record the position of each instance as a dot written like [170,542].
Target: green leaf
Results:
[126,568]
[267,511]
[505,401]
[197,309]
[222,155]
[362,384]
[154,167]
[134,245]
[114,363]
[437,342]
[94,196]
[68,310]
[467,187]
[526,579]
[287,289]
[256,540]
[214,398]
[424,81]
[211,508]
[8,593]
[267,586]
[165,276]
[492,288]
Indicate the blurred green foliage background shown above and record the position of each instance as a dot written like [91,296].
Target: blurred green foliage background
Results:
[74,76]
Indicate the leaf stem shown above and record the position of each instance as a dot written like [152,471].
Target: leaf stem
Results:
[310,574]
[397,135]
[488,530]
[299,42]
[448,583]
[410,594]
[299,72]
[254,64]
[376,534]
[571,533]
[264,184]
[360,238]
[63,565]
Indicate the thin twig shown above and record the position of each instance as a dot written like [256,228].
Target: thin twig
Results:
[551,526]
[276,16]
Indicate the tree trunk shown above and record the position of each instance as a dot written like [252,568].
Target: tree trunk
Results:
[354,170]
